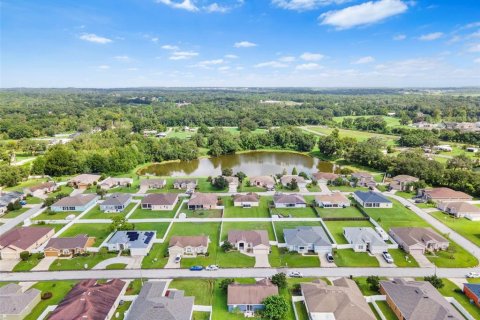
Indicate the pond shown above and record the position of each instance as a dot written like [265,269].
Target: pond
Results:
[252,164]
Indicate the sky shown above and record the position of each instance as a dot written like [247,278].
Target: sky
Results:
[239,43]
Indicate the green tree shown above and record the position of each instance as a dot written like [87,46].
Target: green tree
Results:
[374,283]
[227,246]
[435,281]
[241,176]
[280,280]
[276,308]
[220,183]
[120,223]
[227,172]
[225,283]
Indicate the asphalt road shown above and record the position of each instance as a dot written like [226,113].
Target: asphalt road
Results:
[19,219]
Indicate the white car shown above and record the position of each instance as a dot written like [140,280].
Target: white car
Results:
[473,275]
[387,257]
[212,267]
[295,274]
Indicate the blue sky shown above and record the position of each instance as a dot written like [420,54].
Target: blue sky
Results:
[310,43]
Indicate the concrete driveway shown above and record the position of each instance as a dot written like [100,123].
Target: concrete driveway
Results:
[261,261]
[103,264]
[171,263]
[423,262]
[382,262]
[44,264]
[8,265]
[324,263]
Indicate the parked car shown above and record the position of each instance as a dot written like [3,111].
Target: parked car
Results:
[178,258]
[212,267]
[295,274]
[387,257]
[196,268]
[23,202]
[329,257]
[473,275]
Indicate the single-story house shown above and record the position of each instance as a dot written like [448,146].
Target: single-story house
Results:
[266,182]
[460,209]
[116,202]
[19,239]
[156,302]
[324,177]
[206,201]
[248,298]
[287,179]
[364,239]
[233,182]
[83,181]
[304,239]
[160,201]
[418,239]
[153,183]
[41,189]
[364,179]
[79,202]
[255,241]
[443,194]
[417,300]
[138,242]
[185,184]
[333,200]
[17,304]
[246,200]
[90,300]
[188,245]
[282,200]
[341,300]
[115,182]
[67,247]
[9,197]
[472,291]
[370,199]
[402,182]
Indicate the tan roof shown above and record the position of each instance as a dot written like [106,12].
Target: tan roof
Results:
[343,299]
[288,198]
[364,175]
[404,178]
[45,185]
[80,241]
[288,179]
[203,199]
[186,241]
[249,197]
[23,237]
[412,236]
[88,300]
[153,182]
[264,180]
[325,175]
[162,199]
[446,193]
[462,207]
[336,197]
[85,178]
[255,237]
[73,201]
[239,294]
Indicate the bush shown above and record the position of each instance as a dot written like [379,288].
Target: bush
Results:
[24,255]
[46,295]
[225,283]
[280,280]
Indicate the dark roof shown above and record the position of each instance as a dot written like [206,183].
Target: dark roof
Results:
[250,293]
[74,201]
[117,199]
[160,199]
[370,196]
[80,241]
[23,237]
[88,300]
[249,197]
[288,198]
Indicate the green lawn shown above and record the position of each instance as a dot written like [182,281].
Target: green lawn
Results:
[59,289]
[201,289]
[25,184]
[140,213]
[245,187]
[454,257]
[201,213]
[96,213]
[234,259]
[14,213]
[238,212]
[398,216]
[467,228]
[349,258]
[279,226]
[33,200]
[402,259]
[391,121]
[98,230]
[57,227]
[160,227]
[301,310]
[51,215]
[116,266]
[386,310]
[262,225]
[134,287]
[61,190]
[365,287]
[29,264]
[206,186]
[78,263]
[219,310]
[121,310]
[336,228]
[307,212]
[280,257]
[201,315]
[348,212]
[346,188]
[451,290]
[358,135]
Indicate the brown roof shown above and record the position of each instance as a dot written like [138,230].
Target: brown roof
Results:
[255,237]
[446,193]
[153,182]
[239,294]
[404,178]
[364,175]
[163,199]
[412,236]
[80,241]
[23,237]
[77,200]
[343,299]
[462,207]
[85,178]
[265,180]
[203,199]
[45,185]
[289,178]
[325,175]
[249,197]
[336,197]
[288,198]
[88,300]
[185,241]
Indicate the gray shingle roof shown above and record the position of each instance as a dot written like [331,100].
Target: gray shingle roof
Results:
[74,201]
[13,300]
[372,197]
[362,235]
[301,236]
[288,198]
[117,199]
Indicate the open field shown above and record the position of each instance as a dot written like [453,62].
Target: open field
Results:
[359,135]
[348,212]
[467,228]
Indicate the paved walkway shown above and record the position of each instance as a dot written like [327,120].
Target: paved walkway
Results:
[8,265]
[261,261]
[423,262]
[171,263]
[44,264]
[20,218]
[324,262]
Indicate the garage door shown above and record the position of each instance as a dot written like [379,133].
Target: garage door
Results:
[261,251]
[51,254]
[9,255]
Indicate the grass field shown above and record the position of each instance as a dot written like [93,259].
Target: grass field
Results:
[116,266]
[336,228]
[261,225]
[238,212]
[98,230]
[347,188]
[14,213]
[96,213]
[365,287]
[403,259]
[386,310]
[301,310]
[348,212]
[359,135]
[307,212]
[160,227]
[349,258]
[121,310]
[454,257]
[60,215]
[25,184]
[59,289]
[467,228]
[279,226]
[29,264]
[281,258]
[57,227]
[391,121]
[201,213]
[451,290]
[79,263]
[140,213]
[398,216]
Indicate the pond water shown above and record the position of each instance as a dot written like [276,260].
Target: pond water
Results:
[251,163]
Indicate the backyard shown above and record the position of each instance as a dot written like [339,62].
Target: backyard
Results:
[238,212]
[98,230]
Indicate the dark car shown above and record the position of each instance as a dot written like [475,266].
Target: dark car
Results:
[196,268]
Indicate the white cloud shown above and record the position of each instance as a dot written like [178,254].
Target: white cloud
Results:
[474,48]
[287,59]
[208,63]
[363,14]
[154,39]
[215,7]
[399,37]
[244,44]
[231,56]
[271,64]
[308,66]
[169,47]
[364,60]
[104,67]
[132,69]
[308,56]
[224,68]
[123,58]
[477,60]
[431,36]
[184,4]
[183,55]
[91,37]
[304,5]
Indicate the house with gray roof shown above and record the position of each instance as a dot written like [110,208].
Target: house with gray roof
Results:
[248,298]
[364,179]
[79,202]
[116,202]
[138,242]
[156,302]
[287,179]
[418,240]
[304,239]
[9,197]
[15,303]
[186,184]
[282,200]
[153,183]
[246,200]
[460,209]
[115,182]
[364,239]
[370,199]
[417,300]
[160,201]
[255,241]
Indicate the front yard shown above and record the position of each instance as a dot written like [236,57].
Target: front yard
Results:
[467,228]
[51,215]
[348,212]
[59,290]
[80,262]
[349,258]
[403,259]
[280,257]
[238,212]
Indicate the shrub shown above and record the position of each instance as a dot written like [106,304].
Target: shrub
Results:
[46,295]
[24,255]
